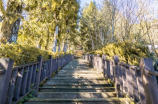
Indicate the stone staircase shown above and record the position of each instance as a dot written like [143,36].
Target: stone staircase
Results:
[77,83]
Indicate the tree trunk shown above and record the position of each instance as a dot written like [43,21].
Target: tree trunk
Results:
[152,44]
[48,38]
[9,31]
[65,42]
[55,38]
[65,45]
[58,47]
[39,44]
[92,40]
[113,23]
[96,33]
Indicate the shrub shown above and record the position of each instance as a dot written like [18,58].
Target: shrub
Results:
[24,54]
[127,52]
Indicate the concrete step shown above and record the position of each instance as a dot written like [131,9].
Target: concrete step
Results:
[76,72]
[84,87]
[78,101]
[75,95]
[62,89]
[74,77]
[78,85]
[77,82]
[77,75]
[78,78]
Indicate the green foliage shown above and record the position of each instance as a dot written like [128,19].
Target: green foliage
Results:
[127,52]
[24,54]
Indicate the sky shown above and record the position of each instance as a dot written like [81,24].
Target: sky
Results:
[153,4]
[83,2]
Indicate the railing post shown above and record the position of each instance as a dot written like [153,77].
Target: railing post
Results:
[57,65]
[97,63]
[116,75]
[93,62]
[104,65]
[6,64]
[50,67]
[149,81]
[39,59]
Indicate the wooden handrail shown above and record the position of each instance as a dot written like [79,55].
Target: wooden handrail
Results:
[25,65]
[152,72]
[19,81]
[139,83]
[2,71]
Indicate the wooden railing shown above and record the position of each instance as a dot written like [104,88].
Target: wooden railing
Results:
[138,83]
[17,82]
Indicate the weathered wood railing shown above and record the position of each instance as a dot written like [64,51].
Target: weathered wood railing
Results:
[17,82]
[138,83]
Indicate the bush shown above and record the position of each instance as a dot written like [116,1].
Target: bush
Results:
[24,54]
[127,52]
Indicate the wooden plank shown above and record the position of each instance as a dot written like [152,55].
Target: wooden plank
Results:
[2,71]
[21,66]
[129,82]
[42,72]
[11,87]
[152,72]
[5,64]
[46,69]
[120,79]
[111,68]
[62,61]
[18,84]
[53,66]
[149,81]
[57,65]
[140,87]
[135,87]
[39,74]
[117,76]
[34,75]
[104,65]
[24,82]
[107,69]
[29,78]
[124,79]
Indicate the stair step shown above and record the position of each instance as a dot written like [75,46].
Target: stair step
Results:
[79,74]
[84,72]
[75,95]
[74,77]
[77,79]
[62,89]
[82,87]
[78,101]
[70,78]
[77,82]
[79,85]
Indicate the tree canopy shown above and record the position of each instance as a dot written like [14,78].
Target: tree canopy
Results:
[61,25]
